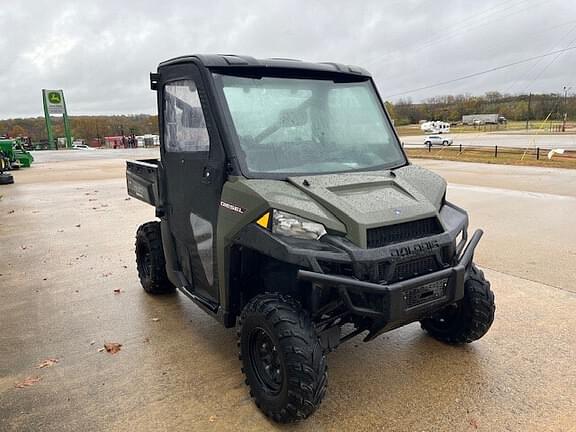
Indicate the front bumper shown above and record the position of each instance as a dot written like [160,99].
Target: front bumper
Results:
[405,301]
[386,286]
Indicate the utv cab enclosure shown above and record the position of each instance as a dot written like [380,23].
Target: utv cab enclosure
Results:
[286,206]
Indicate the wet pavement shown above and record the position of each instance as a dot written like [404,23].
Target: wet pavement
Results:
[67,240]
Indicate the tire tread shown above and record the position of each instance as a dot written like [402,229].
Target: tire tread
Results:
[149,234]
[306,367]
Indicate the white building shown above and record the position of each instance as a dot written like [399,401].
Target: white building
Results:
[148,140]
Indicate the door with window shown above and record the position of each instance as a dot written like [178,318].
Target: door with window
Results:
[193,161]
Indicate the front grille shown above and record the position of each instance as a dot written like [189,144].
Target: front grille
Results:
[387,235]
[408,269]
[414,268]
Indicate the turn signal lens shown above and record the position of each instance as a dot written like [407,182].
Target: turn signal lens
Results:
[264,220]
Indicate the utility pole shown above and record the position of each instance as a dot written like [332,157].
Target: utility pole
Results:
[565,108]
[528,115]
[122,132]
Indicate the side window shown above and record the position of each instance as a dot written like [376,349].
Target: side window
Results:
[184,124]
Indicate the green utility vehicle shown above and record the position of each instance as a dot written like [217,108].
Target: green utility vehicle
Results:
[287,207]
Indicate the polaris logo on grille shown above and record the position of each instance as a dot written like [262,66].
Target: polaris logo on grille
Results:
[416,249]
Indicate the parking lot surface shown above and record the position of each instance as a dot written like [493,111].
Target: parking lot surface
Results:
[68,285]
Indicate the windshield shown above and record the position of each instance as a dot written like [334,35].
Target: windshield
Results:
[309,126]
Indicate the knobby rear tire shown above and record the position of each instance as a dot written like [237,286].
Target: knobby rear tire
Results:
[150,259]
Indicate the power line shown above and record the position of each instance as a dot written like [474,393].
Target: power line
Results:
[496,48]
[547,66]
[460,28]
[475,74]
[535,65]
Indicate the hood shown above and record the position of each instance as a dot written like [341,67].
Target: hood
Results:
[374,199]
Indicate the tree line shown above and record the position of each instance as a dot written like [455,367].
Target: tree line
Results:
[451,108]
[83,127]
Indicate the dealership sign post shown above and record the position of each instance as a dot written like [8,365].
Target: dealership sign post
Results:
[54,105]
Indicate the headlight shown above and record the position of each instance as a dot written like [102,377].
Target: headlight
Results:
[295,226]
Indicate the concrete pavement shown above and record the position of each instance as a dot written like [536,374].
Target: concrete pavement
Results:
[67,234]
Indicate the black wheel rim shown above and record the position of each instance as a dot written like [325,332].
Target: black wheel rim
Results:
[265,360]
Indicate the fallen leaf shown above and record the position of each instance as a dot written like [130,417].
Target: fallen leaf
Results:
[155,319]
[474,423]
[112,347]
[28,382]
[47,363]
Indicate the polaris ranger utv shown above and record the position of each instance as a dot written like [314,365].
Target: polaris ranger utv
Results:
[287,207]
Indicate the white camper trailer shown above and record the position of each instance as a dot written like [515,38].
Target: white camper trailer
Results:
[435,127]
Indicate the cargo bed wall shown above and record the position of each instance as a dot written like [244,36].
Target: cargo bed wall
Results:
[142,180]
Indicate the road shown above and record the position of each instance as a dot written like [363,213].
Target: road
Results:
[46,156]
[67,234]
[567,142]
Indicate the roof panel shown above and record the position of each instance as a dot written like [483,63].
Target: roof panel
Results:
[233,60]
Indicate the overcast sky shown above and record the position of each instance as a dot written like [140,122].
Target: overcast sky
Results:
[100,52]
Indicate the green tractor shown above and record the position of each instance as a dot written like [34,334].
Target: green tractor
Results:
[15,155]
[5,178]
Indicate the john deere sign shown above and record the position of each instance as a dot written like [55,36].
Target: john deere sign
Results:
[54,105]
[55,102]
